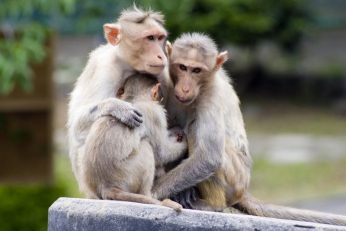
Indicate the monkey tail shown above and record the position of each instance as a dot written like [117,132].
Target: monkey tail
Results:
[253,206]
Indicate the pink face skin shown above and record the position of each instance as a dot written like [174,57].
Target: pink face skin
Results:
[153,57]
[189,78]
[189,72]
[143,50]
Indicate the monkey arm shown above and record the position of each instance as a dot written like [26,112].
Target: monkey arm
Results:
[119,109]
[173,147]
[170,152]
[167,145]
[206,142]
[187,174]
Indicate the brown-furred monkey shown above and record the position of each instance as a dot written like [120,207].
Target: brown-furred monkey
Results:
[119,161]
[202,100]
[135,44]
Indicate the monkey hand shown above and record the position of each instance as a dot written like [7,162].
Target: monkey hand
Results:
[178,134]
[125,112]
[186,197]
[180,137]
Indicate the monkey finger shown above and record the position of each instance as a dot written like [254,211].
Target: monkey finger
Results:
[136,124]
[139,120]
[193,194]
[183,199]
[138,113]
[132,122]
[189,204]
[179,138]
[189,194]
[185,196]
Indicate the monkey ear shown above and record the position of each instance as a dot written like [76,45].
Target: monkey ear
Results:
[154,92]
[120,93]
[112,33]
[221,58]
[168,48]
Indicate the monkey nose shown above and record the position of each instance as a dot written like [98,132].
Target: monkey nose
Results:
[186,90]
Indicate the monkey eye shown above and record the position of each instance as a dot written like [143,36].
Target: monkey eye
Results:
[150,37]
[196,70]
[182,67]
[161,37]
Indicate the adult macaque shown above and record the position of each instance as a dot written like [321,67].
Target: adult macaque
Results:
[203,101]
[135,44]
[119,161]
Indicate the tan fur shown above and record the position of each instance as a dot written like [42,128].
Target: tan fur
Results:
[128,51]
[119,162]
[204,102]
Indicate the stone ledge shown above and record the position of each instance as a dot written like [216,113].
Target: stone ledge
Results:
[83,214]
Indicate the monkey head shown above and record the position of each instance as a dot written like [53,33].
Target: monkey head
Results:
[193,62]
[140,40]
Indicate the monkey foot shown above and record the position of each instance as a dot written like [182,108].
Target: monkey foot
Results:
[172,204]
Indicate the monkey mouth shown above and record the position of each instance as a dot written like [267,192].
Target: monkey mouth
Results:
[156,66]
[182,100]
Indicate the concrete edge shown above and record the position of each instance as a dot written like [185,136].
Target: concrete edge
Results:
[84,214]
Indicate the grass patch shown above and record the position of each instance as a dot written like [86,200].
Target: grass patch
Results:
[287,182]
[64,176]
[280,117]
[275,182]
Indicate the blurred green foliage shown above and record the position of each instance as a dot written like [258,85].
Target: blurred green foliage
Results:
[25,208]
[18,52]
[242,22]
[24,31]
[27,24]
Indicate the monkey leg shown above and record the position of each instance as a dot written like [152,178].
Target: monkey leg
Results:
[117,194]
[201,204]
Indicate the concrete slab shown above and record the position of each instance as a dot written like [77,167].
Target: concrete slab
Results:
[83,214]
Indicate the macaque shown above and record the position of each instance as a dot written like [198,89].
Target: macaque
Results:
[135,45]
[202,100]
[119,161]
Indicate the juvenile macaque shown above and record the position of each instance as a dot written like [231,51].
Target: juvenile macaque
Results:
[135,44]
[203,101]
[119,161]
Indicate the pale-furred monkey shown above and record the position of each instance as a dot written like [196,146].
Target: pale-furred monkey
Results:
[202,100]
[135,44]
[119,161]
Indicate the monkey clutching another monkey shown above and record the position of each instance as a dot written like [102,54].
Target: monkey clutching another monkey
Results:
[135,44]
[202,100]
[119,161]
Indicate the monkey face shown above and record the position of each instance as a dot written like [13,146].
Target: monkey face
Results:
[147,51]
[153,57]
[194,60]
[141,45]
[187,78]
